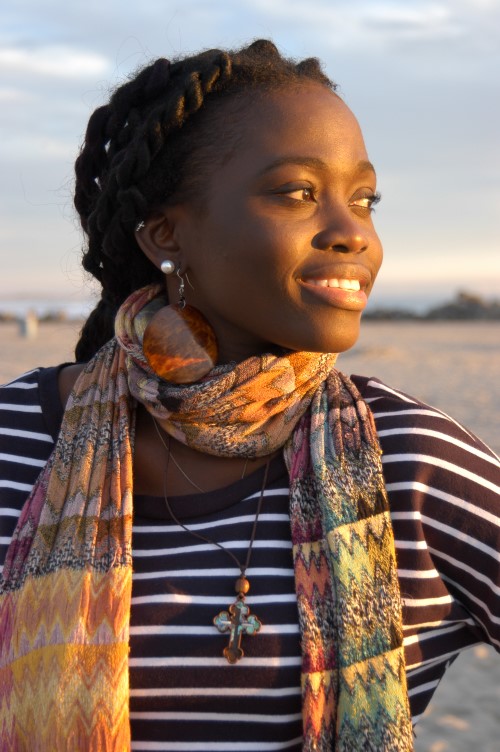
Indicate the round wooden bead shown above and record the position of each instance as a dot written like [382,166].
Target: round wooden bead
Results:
[242,585]
[179,344]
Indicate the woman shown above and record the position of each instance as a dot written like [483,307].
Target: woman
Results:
[239,184]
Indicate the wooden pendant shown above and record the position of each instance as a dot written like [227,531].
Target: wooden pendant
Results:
[238,621]
[179,344]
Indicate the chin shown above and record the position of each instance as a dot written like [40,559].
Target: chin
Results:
[339,336]
[320,345]
[333,335]
[349,340]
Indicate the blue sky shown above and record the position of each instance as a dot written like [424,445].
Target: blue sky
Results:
[422,77]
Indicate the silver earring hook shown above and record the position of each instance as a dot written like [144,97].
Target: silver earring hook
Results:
[182,299]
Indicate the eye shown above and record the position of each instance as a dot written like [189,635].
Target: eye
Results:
[301,194]
[366,202]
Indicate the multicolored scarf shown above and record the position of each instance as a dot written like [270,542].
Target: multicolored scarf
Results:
[66,588]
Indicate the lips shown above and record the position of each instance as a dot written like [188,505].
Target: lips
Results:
[341,285]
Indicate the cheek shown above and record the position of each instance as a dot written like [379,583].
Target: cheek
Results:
[377,250]
[378,259]
[262,251]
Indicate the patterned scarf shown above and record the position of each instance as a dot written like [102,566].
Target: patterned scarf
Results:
[66,588]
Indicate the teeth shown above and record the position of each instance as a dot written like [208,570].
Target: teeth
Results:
[344,284]
[349,284]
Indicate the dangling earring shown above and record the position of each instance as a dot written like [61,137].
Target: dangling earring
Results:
[182,299]
[179,343]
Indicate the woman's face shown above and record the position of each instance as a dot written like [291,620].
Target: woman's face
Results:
[284,252]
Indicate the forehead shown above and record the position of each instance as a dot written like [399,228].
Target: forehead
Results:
[307,120]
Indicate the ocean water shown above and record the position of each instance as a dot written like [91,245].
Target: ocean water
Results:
[80,308]
[418,298]
[71,309]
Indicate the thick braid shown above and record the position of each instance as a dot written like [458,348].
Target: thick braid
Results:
[109,131]
[143,148]
[118,209]
[109,216]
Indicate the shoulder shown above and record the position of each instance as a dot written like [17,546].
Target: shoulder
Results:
[428,455]
[443,485]
[32,402]
[30,416]
[409,424]
[432,464]
[31,410]
[21,401]
[387,402]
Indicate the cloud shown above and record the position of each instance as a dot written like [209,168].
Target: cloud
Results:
[423,21]
[36,147]
[365,22]
[14,96]
[53,60]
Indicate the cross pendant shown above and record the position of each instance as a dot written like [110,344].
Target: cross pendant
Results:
[238,621]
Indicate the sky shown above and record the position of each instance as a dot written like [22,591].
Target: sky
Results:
[422,77]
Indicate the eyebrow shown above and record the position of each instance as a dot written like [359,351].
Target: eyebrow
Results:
[315,164]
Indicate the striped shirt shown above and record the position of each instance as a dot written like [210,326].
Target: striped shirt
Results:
[443,487]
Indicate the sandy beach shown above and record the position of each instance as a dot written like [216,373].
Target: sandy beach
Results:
[454,366]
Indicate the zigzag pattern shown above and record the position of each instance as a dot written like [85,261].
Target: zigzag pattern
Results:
[353,674]
[64,662]
[248,411]
[65,602]
[310,559]
[364,677]
[67,605]
[390,735]
[87,710]
[319,709]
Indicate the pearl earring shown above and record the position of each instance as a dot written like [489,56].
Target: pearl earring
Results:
[167,266]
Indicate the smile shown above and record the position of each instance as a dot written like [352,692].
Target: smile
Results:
[338,292]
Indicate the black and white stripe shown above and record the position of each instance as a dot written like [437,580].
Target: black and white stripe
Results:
[177,668]
[443,486]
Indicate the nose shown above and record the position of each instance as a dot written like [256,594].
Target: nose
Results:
[343,232]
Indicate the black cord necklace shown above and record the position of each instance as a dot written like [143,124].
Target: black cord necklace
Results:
[237,620]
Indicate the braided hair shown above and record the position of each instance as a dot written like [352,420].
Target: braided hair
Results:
[154,143]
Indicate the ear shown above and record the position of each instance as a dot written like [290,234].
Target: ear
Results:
[156,239]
